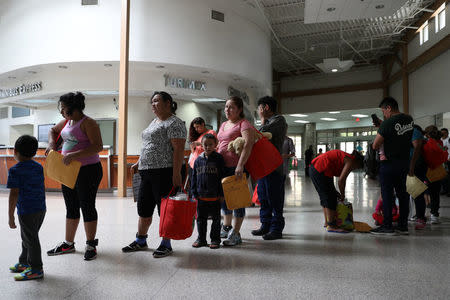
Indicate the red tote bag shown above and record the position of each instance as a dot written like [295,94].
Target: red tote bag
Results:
[264,159]
[434,154]
[177,217]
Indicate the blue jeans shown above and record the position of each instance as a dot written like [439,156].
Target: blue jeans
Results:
[271,196]
[393,177]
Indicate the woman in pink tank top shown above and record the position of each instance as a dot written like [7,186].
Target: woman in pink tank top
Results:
[82,141]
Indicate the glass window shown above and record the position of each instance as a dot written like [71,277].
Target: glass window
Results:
[20,112]
[441,19]
[425,32]
[349,147]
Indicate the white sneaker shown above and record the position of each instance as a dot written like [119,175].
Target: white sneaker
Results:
[233,239]
[435,219]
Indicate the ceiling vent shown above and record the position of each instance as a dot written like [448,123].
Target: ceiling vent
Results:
[333,65]
[89,2]
[217,15]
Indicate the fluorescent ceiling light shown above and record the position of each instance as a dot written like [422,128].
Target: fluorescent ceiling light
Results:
[208,100]
[334,70]
[101,93]
[38,101]
[334,112]
[360,116]
[328,119]
[298,115]
[301,121]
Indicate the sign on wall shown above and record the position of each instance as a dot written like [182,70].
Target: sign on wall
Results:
[22,89]
[183,83]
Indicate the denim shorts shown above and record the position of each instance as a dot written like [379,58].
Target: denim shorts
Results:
[238,213]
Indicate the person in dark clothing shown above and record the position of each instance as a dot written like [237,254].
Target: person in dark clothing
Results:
[309,155]
[271,187]
[206,188]
[394,134]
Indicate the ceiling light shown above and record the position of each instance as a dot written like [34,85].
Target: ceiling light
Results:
[32,72]
[334,112]
[359,116]
[205,72]
[160,67]
[38,101]
[331,9]
[11,77]
[335,63]
[62,67]
[108,65]
[203,100]
[101,93]
[379,6]
[301,121]
[334,70]
[328,119]
[298,115]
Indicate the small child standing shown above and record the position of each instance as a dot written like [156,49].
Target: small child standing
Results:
[26,181]
[206,188]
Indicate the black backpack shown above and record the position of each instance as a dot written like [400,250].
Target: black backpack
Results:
[371,162]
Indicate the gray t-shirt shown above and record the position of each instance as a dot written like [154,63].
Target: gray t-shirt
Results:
[157,151]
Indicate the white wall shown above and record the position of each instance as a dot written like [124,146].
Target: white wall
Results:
[179,32]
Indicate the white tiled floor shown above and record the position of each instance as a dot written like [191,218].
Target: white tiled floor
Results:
[307,263]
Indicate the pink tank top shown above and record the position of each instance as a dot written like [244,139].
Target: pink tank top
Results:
[75,139]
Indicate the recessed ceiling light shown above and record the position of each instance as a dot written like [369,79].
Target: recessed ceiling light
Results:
[205,72]
[62,67]
[359,116]
[334,112]
[32,72]
[328,119]
[11,77]
[108,65]
[301,121]
[334,70]
[379,6]
[160,67]
[331,9]
[298,115]
[208,100]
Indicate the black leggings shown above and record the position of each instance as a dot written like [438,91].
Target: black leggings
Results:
[84,193]
[155,183]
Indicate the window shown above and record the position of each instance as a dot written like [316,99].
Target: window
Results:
[424,33]
[441,19]
[20,112]
[297,139]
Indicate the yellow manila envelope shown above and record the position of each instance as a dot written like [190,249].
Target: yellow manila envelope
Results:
[58,171]
[236,192]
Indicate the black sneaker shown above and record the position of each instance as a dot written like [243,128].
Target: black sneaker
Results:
[61,248]
[260,232]
[91,250]
[135,246]
[162,251]
[272,236]
[382,230]
[402,230]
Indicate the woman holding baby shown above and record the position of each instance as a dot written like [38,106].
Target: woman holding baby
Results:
[235,126]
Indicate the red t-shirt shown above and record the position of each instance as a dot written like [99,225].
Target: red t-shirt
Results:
[225,136]
[331,163]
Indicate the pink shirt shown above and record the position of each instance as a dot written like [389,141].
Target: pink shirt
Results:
[226,136]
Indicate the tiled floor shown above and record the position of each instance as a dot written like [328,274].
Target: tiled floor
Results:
[307,263]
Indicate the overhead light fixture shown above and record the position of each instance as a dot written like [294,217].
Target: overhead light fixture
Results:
[328,119]
[359,116]
[334,70]
[63,67]
[38,101]
[379,6]
[205,72]
[298,115]
[330,9]
[101,93]
[301,121]
[108,65]
[334,112]
[160,67]
[331,64]
[205,100]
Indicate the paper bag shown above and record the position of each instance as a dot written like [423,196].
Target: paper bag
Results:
[414,186]
[58,171]
[236,192]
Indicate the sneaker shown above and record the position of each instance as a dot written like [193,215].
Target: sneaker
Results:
[412,219]
[224,231]
[214,245]
[420,224]
[61,248]
[233,239]
[199,243]
[18,268]
[382,231]
[135,246]
[273,236]
[435,219]
[260,231]
[91,251]
[402,230]
[162,251]
[29,274]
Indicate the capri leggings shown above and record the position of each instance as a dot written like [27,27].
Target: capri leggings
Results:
[155,183]
[238,213]
[84,193]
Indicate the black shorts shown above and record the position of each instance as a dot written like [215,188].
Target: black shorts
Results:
[155,183]
[325,187]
